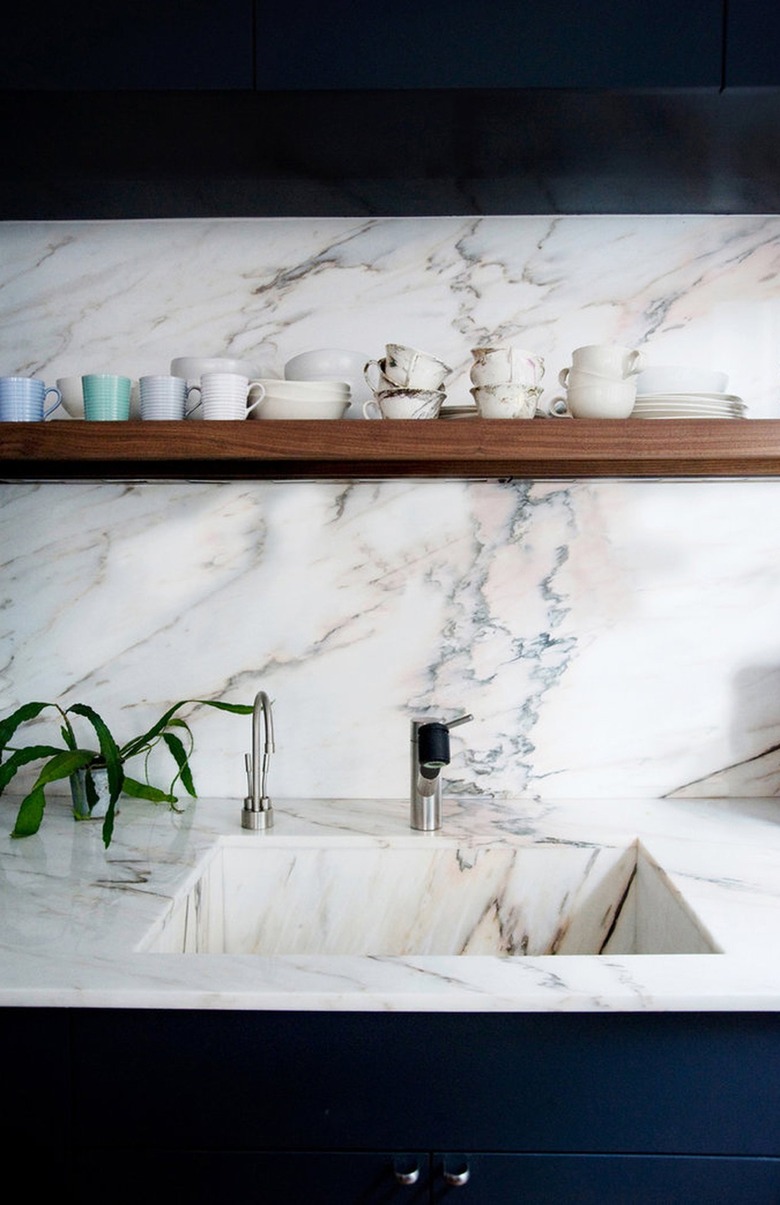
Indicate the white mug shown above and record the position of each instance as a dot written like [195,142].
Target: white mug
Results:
[607,360]
[612,399]
[505,401]
[506,365]
[166,397]
[225,395]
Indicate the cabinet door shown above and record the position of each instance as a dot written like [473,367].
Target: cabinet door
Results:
[607,1180]
[36,1134]
[457,44]
[127,44]
[752,44]
[268,1178]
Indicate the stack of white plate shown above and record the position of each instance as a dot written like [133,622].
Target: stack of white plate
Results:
[689,405]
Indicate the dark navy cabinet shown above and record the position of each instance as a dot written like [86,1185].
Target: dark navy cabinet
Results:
[373,45]
[113,45]
[456,44]
[752,44]
[185,109]
[335,1107]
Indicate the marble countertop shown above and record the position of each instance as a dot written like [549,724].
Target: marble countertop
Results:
[78,921]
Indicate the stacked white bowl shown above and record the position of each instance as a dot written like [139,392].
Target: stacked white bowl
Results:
[302,399]
[332,364]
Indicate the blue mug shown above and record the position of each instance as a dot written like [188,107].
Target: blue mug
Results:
[22,399]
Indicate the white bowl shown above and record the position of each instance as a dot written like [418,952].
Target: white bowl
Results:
[192,368]
[333,363]
[323,390]
[325,363]
[680,378]
[292,408]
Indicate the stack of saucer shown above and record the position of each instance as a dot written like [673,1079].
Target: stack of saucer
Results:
[689,405]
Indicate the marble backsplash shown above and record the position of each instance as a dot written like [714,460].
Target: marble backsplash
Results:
[611,638]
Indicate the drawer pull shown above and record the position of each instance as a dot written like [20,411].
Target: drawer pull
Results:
[457,1179]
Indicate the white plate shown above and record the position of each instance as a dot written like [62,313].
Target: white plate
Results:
[684,414]
[698,409]
[690,397]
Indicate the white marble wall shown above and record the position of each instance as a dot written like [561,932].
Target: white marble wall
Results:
[610,638]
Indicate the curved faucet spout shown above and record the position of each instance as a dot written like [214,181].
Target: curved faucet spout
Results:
[257,811]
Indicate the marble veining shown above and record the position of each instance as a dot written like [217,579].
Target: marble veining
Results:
[611,638]
[94,928]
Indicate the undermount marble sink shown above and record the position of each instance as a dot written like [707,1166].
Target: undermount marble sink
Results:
[412,898]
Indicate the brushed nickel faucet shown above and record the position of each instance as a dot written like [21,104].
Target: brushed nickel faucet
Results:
[430,752]
[257,812]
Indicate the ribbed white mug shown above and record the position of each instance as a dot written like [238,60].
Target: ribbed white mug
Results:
[225,395]
[166,397]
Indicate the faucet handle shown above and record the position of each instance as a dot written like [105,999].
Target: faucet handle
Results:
[463,719]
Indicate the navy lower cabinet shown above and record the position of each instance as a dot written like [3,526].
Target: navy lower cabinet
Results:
[605,1180]
[382,1107]
[268,1178]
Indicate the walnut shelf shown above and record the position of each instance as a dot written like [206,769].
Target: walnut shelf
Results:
[466,449]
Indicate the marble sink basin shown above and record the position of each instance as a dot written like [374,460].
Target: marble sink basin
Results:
[353,897]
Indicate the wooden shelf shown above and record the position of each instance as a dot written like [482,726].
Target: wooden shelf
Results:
[465,449]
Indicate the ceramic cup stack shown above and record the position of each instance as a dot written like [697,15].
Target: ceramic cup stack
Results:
[406,383]
[601,382]
[506,381]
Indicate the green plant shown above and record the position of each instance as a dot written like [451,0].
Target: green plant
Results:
[63,762]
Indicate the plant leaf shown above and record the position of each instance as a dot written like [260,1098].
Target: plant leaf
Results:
[142,790]
[28,711]
[62,765]
[23,757]
[179,755]
[108,823]
[109,750]
[30,814]
[134,746]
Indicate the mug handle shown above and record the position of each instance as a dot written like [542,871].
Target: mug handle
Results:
[372,409]
[367,374]
[563,376]
[192,409]
[558,408]
[635,363]
[253,385]
[52,389]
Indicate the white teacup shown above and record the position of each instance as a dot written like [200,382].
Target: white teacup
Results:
[612,399]
[225,395]
[506,365]
[505,401]
[409,368]
[607,359]
[72,395]
[405,403]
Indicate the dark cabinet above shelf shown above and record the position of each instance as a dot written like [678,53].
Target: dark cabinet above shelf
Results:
[536,44]
[459,449]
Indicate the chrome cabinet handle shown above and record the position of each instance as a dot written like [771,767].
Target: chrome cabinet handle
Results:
[456,1179]
[407,1176]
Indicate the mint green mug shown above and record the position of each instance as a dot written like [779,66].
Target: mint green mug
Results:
[106,397]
